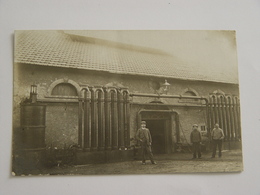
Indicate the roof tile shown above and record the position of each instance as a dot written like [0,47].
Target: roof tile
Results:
[54,48]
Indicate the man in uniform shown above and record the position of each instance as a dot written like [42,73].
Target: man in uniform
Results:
[217,136]
[143,135]
[195,138]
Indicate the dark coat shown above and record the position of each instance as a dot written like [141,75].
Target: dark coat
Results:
[143,135]
[195,136]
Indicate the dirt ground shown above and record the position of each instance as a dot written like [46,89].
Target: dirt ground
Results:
[231,161]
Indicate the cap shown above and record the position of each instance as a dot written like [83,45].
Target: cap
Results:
[143,122]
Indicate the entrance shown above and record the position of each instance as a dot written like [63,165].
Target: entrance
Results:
[162,124]
[157,130]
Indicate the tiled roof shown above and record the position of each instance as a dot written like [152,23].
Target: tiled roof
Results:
[56,48]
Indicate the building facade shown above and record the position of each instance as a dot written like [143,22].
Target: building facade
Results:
[96,93]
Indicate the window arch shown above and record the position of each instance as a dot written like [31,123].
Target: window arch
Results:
[63,88]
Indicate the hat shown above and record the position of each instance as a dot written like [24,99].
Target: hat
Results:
[143,122]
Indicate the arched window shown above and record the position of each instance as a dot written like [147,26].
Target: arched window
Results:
[64,89]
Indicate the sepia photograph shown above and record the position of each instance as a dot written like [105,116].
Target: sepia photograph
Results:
[102,102]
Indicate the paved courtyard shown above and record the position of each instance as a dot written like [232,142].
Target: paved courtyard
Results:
[231,161]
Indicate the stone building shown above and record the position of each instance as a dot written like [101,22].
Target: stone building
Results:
[97,91]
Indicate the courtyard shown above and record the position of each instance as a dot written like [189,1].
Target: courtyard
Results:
[231,161]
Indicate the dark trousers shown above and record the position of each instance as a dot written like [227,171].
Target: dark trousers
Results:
[196,149]
[146,150]
[217,143]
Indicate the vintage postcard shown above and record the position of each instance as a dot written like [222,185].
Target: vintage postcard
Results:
[125,102]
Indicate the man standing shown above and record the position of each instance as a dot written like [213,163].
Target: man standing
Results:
[217,136]
[195,138]
[143,135]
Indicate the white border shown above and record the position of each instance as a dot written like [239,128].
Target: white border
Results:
[240,15]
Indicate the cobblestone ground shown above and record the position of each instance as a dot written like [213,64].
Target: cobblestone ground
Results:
[231,161]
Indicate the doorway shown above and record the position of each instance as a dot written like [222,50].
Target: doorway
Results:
[162,125]
[157,130]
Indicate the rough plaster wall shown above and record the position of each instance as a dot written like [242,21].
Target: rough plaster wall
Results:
[189,116]
[133,122]
[26,75]
[61,125]
[44,76]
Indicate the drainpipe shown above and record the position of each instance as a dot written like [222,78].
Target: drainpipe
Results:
[126,116]
[100,118]
[114,120]
[108,138]
[84,118]
[121,137]
[80,121]
[94,120]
